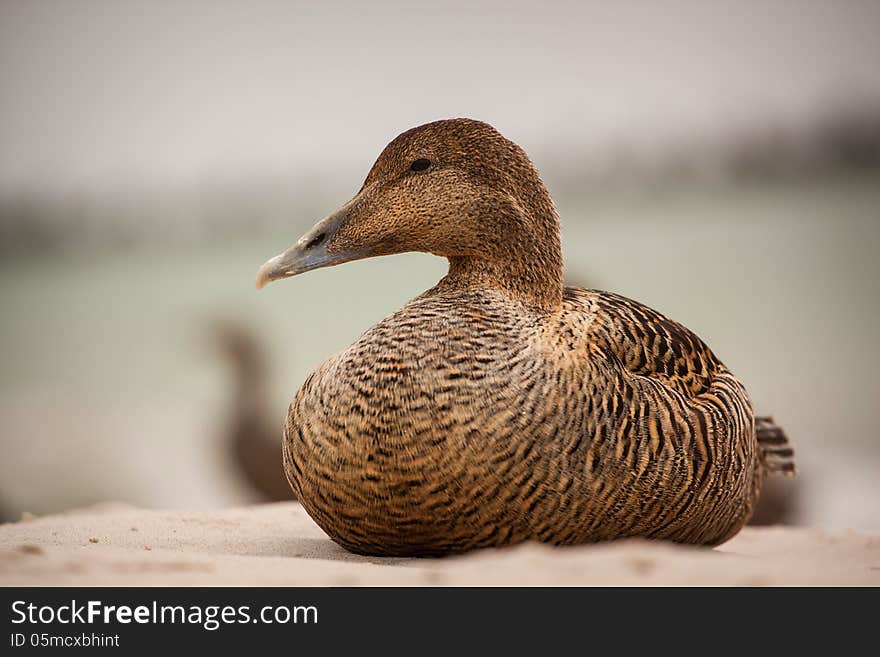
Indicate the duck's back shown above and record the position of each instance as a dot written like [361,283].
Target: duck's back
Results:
[674,452]
[470,420]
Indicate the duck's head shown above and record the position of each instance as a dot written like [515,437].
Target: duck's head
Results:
[455,188]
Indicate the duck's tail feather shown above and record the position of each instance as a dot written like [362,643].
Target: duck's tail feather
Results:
[777,454]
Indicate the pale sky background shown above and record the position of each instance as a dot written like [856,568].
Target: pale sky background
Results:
[103,95]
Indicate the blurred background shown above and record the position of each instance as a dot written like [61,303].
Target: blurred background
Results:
[719,161]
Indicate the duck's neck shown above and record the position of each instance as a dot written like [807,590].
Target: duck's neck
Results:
[530,271]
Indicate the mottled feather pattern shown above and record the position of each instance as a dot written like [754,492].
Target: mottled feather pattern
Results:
[565,429]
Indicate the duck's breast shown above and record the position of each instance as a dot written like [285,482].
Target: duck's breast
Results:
[422,426]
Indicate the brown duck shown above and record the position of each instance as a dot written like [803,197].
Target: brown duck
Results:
[249,435]
[500,406]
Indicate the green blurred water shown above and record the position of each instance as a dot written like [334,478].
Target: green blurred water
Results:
[109,387]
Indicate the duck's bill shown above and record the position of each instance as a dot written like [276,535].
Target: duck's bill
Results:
[290,263]
[309,253]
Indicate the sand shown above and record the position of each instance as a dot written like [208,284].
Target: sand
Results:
[279,545]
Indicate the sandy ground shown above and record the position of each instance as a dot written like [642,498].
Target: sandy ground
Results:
[279,545]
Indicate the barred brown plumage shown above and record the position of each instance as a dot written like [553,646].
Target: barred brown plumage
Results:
[498,406]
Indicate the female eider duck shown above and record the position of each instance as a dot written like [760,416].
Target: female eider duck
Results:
[500,406]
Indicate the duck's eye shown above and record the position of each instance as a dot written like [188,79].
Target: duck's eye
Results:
[420,165]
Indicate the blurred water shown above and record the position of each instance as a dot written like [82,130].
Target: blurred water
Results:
[109,387]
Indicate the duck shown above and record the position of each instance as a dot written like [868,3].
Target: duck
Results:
[501,406]
[249,436]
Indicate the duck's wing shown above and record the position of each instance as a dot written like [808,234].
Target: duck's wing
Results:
[647,343]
